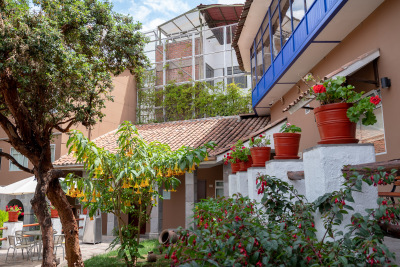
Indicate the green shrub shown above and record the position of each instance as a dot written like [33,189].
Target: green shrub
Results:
[235,232]
[3,219]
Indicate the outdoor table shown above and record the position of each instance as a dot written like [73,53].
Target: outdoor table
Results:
[39,234]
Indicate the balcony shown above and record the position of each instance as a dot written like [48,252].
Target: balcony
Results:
[278,61]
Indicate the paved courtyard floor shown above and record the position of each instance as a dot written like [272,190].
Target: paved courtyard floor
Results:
[90,250]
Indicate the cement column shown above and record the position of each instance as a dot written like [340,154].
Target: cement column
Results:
[190,197]
[112,223]
[323,174]
[156,221]
[226,171]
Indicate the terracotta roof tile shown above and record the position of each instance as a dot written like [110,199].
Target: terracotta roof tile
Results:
[223,130]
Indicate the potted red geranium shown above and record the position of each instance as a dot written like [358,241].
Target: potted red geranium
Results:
[231,157]
[260,151]
[340,110]
[287,142]
[53,211]
[13,213]
[244,156]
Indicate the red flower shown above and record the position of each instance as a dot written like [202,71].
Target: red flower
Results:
[237,218]
[260,135]
[375,100]
[319,88]
[22,214]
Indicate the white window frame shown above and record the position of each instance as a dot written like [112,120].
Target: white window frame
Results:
[219,186]
[53,152]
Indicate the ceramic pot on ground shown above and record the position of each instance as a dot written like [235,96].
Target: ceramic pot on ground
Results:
[13,216]
[333,124]
[235,167]
[168,236]
[244,165]
[151,257]
[260,155]
[54,213]
[286,145]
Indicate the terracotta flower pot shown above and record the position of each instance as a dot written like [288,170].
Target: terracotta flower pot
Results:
[84,212]
[54,213]
[260,155]
[235,167]
[333,125]
[13,216]
[151,257]
[286,145]
[167,236]
[244,165]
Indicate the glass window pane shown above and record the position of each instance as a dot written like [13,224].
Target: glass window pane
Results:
[267,49]
[19,158]
[276,33]
[286,23]
[217,183]
[298,11]
[309,3]
[53,152]
[374,134]
[253,70]
[219,192]
[260,70]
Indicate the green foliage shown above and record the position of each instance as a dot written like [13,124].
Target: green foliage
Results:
[126,181]
[241,152]
[281,232]
[260,141]
[335,90]
[289,128]
[3,217]
[194,100]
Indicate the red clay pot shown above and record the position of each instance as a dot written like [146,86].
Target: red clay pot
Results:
[235,167]
[286,145]
[54,213]
[260,155]
[244,165]
[13,216]
[333,125]
[84,212]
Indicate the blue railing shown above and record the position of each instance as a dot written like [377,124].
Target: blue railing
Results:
[314,21]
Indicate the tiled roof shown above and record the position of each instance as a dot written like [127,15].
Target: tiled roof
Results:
[242,20]
[223,130]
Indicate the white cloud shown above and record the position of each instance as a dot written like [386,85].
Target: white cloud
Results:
[230,2]
[139,13]
[152,24]
[165,6]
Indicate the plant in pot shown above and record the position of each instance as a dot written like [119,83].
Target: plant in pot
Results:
[13,213]
[244,156]
[287,142]
[231,157]
[340,110]
[260,151]
[53,211]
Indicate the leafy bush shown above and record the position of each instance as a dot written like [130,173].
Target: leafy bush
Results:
[3,219]
[281,232]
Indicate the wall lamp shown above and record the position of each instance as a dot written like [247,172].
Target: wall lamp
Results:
[385,82]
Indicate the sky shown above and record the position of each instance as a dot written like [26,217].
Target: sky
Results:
[152,13]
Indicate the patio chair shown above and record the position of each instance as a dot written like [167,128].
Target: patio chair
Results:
[59,242]
[14,246]
[18,235]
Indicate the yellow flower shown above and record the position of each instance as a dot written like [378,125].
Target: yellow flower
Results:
[136,185]
[93,200]
[128,203]
[98,195]
[151,190]
[173,190]
[85,199]
[206,158]
[125,185]
[110,189]
[193,167]
[140,200]
[146,183]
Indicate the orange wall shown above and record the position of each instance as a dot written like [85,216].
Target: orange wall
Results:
[377,31]
[174,208]
[210,175]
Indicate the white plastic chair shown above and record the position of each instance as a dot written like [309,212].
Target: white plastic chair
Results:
[15,246]
[59,242]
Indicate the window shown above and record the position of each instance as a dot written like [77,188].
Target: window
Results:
[19,158]
[241,81]
[219,188]
[166,194]
[374,134]
[53,152]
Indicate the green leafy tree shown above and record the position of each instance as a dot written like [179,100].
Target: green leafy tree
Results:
[127,181]
[56,68]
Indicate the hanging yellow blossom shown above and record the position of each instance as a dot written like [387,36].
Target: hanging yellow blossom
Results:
[110,189]
[136,185]
[140,201]
[93,200]
[193,167]
[206,158]
[128,203]
[151,190]
[125,185]
[84,199]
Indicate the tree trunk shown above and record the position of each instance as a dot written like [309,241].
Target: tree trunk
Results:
[39,205]
[58,198]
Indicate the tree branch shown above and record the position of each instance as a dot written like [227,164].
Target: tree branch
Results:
[15,162]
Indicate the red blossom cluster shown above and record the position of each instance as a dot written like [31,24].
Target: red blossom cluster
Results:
[375,100]
[319,88]
[262,187]
[14,208]
[228,157]
[381,181]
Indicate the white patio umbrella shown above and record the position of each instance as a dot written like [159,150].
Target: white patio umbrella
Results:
[25,186]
